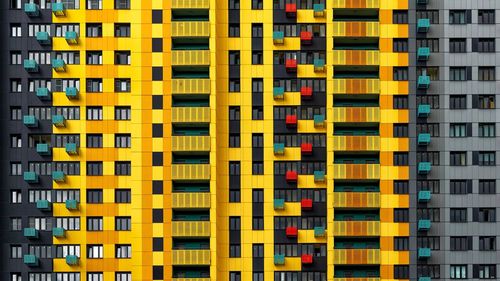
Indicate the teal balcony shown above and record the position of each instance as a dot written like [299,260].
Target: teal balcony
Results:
[43,38]
[279,93]
[59,65]
[424,196]
[71,148]
[319,65]
[424,253]
[319,231]
[424,168]
[30,260]
[279,259]
[422,2]
[279,148]
[423,82]
[71,37]
[319,176]
[30,233]
[58,232]
[30,121]
[424,139]
[58,121]
[279,204]
[43,93]
[32,9]
[424,110]
[278,37]
[30,177]
[424,279]
[30,66]
[423,53]
[43,148]
[319,120]
[424,225]
[43,205]
[58,176]
[72,93]
[72,260]
[71,204]
[58,9]
[319,10]
[423,25]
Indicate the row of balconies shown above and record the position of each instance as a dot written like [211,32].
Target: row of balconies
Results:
[341,200]
[341,256]
[33,261]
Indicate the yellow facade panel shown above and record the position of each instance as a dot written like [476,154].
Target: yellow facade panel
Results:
[190,4]
[356,114]
[191,58]
[191,171]
[356,86]
[191,115]
[356,256]
[359,4]
[357,279]
[190,29]
[355,29]
[356,143]
[356,57]
[190,257]
[190,143]
[190,228]
[190,86]
[356,199]
[356,171]
[356,228]
[188,200]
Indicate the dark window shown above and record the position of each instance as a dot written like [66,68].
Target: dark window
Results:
[484,271]
[94,30]
[460,187]
[431,43]
[257,4]
[486,16]
[432,242]
[486,158]
[94,196]
[486,130]
[400,73]
[487,243]
[400,102]
[400,16]
[458,158]
[400,45]
[458,101]
[486,73]
[401,272]
[122,4]
[234,276]
[458,214]
[122,29]
[234,4]
[257,113]
[429,270]
[234,85]
[94,141]
[257,140]
[461,243]
[458,45]
[401,215]
[458,73]
[487,187]
[428,156]
[123,196]
[486,101]
[458,271]
[431,71]
[432,100]
[257,30]
[483,45]
[234,140]
[458,17]
[458,130]
[257,57]
[234,113]
[484,215]
[400,130]
[432,214]
[123,168]
[257,168]
[400,187]
[432,15]
[430,185]
[234,57]
[94,168]
[234,30]
[400,159]
[401,243]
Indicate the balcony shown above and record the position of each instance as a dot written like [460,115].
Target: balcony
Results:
[358,4]
[191,4]
[423,53]
[43,93]
[279,149]
[424,196]
[424,139]
[59,65]
[71,148]
[356,143]
[58,9]
[319,231]
[278,37]
[58,232]
[319,10]
[319,176]
[306,204]
[356,114]
[191,200]
[306,259]
[291,176]
[424,253]
[191,229]
[30,66]
[291,232]
[356,86]
[191,115]
[279,93]
[191,58]
[356,256]
[424,279]
[30,177]
[43,38]
[424,168]
[190,86]
[306,37]
[356,228]
[71,37]
[291,65]
[44,205]
[306,92]
[30,233]
[72,260]
[423,82]
[32,9]
[72,93]
[291,10]
[279,204]
[424,225]
[71,204]
[43,149]
[356,171]
[319,65]
[356,57]
[423,110]
[58,121]
[423,25]
[191,29]
[279,259]
[291,121]
[355,29]
[58,176]
[356,200]
[190,143]
[30,260]
[191,172]
[306,148]
[190,257]
[319,120]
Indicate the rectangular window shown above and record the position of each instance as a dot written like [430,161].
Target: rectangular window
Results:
[123,224]
[234,276]
[68,223]
[432,15]
[401,272]
[461,243]
[122,4]
[257,57]
[15,30]
[458,73]
[400,73]
[123,276]
[487,130]
[486,16]
[257,4]
[487,243]
[257,30]
[487,187]
[95,251]
[123,251]
[400,45]
[122,57]
[123,141]
[94,141]
[94,85]
[432,242]
[16,224]
[400,130]
[486,102]
[16,58]
[400,159]
[94,57]
[401,215]
[486,158]
[483,45]
[16,141]
[123,113]
[458,17]
[428,156]
[432,214]
[458,130]
[123,196]
[16,86]
[16,169]
[123,168]
[431,43]
[16,197]
[458,102]
[430,185]
[234,85]
[234,30]
[257,168]
[94,224]
[458,158]
[401,243]
[94,113]
[458,45]
[458,271]
[400,187]
[16,251]
[95,276]
[122,29]
[458,214]
[399,16]
[484,215]
[16,113]
[94,30]
[460,187]
[486,73]
[485,271]
[94,196]
[122,85]
[400,102]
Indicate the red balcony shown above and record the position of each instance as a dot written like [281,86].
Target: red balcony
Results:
[291,176]
[306,92]
[306,37]
[292,231]
[307,259]
[306,204]
[291,65]
[291,120]
[291,10]
[306,148]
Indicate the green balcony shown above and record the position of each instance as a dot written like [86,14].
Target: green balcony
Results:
[319,10]
[423,53]
[279,259]
[424,168]
[319,231]
[278,37]
[30,260]
[279,93]
[424,110]
[30,233]
[30,177]
[423,25]
[59,65]
[30,66]
[71,37]
[43,205]
[424,253]
[71,148]
[319,120]
[422,2]
[71,204]
[43,149]
[58,9]
[30,121]
[424,278]
[279,148]
[424,196]
[32,9]
[424,139]
[319,176]
[279,204]
[319,65]
[43,38]
[423,82]
[43,93]
[58,232]
[58,121]
[424,225]
[72,260]
[58,176]
[72,93]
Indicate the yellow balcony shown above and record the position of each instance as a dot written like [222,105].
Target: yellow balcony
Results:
[356,114]
[190,257]
[356,228]
[355,29]
[191,172]
[191,58]
[356,199]
[195,200]
[356,143]
[356,86]
[191,229]
[190,4]
[191,279]
[356,57]
[356,171]
[190,29]
[190,143]
[358,279]
[190,86]
[356,4]
[356,256]
[191,115]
